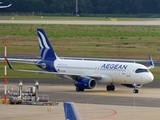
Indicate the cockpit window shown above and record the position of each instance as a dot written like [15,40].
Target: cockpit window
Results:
[141,70]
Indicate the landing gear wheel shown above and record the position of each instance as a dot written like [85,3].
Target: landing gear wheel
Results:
[135,91]
[82,89]
[78,89]
[112,87]
[108,87]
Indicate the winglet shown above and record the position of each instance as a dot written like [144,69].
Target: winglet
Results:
[10,66]
[71,111]
[151,62]
[9,5]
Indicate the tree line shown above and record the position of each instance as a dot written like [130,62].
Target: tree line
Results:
[84,6]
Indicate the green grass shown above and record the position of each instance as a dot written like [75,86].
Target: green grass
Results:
[17,74]
[100,18]
[83,41]
[156,72]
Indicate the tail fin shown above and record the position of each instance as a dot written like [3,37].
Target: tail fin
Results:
[71,111]
[46,50]
[151,62]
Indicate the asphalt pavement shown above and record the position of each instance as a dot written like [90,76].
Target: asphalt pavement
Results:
[151,22]
[61,81]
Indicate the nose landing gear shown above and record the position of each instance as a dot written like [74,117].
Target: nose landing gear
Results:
[135,90]
[136,86]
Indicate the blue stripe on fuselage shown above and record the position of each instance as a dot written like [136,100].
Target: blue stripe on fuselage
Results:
[49,65]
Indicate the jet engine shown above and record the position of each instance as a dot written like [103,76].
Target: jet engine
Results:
[85,83]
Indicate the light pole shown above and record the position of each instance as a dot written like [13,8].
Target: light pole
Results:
[77,8]
[5,73]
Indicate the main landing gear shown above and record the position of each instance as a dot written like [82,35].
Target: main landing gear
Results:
[79,89]
[110,87]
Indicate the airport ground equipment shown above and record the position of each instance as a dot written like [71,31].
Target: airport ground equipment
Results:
[31,96]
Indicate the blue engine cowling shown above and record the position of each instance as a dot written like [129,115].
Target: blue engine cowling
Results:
[86,83]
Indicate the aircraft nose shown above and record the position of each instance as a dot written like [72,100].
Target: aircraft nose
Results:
[150,77]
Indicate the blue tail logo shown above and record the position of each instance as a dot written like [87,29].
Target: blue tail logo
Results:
[46,50]
[71,111]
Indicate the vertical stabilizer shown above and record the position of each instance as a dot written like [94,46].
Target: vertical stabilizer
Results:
[71,111]
[46,50]
[151,62]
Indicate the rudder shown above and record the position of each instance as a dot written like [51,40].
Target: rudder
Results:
[46,50]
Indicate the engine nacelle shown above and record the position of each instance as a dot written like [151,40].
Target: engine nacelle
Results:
[86,83]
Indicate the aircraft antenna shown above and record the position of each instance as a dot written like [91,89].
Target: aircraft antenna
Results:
[77,8]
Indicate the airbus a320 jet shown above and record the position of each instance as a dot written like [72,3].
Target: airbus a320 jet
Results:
[87,73]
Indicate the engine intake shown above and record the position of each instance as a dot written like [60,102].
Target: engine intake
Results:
[86,83]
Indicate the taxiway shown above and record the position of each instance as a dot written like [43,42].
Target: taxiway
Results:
[153,22]
[93,104]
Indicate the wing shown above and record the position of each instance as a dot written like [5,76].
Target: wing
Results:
[65,75]
[26,61]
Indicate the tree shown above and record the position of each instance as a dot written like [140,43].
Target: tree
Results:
[104,7]
[85,6]
[62,6]
[38,6]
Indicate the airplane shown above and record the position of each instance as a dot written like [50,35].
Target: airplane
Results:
[5,6]
[71,111]
[86,73]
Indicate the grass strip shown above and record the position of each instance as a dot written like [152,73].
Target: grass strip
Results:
[85,40]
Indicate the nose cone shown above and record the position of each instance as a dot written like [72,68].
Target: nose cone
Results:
[150,78]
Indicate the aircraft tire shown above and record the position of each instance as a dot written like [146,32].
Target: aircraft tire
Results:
[108,87]
[78,89]
[112,87]
[135,91]
[82,89]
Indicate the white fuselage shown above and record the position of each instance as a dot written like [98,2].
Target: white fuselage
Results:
[111,72]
